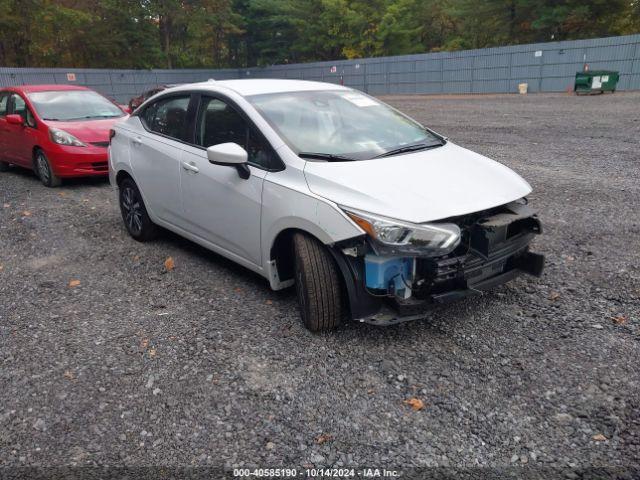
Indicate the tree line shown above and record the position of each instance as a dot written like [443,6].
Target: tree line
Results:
[242,33]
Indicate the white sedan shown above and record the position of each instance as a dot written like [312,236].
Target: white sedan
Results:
[371,215]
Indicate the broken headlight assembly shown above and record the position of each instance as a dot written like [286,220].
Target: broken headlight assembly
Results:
[391,236]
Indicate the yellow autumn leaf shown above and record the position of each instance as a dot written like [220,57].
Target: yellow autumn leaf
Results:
[74,283]
[620,319]
[415,403]
[325,437]
[169,264]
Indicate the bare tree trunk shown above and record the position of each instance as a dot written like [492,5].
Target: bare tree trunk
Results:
[512,20]
[165,26]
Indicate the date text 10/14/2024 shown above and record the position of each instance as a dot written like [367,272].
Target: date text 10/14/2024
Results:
[316,473]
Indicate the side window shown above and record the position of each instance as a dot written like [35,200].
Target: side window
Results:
[20,108]
[4,103]
[168,117]
[146,117]
[31,121]
[219,122]
[260,152]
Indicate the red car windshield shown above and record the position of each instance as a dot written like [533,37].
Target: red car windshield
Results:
[69,105]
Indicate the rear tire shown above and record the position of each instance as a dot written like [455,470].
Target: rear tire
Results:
[317,284]
[134,213]
[45,172]
[4,167]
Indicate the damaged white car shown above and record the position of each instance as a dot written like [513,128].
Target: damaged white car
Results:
[371,215]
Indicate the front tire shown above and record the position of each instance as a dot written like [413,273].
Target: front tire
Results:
[317,284]
[45,172]
[134,213]
[4,167]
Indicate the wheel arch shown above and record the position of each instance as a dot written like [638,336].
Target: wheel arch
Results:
[117,176]
[281,253]
[34,151]
[356,300]
[121,175]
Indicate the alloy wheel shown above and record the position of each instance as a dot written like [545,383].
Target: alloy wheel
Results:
[43,168]
[132,210]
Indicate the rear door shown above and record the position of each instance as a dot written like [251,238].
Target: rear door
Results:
[219,206]
[156,152]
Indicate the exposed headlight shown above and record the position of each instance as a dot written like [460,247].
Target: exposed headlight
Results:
[395,236]
[64,138]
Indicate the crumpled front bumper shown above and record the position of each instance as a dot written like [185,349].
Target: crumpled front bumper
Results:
[497,252]
[493,273]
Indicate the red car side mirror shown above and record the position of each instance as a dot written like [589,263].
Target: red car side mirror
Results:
[15,119]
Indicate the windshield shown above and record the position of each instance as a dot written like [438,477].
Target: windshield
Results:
[340,124]
[73,105]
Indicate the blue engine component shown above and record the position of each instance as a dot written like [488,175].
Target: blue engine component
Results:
[385,273]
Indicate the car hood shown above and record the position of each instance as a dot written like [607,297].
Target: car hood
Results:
[87,130]
[419,187]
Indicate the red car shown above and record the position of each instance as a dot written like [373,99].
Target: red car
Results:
[59,131]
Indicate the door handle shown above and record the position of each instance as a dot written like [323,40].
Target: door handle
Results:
[136,141]
[190,166]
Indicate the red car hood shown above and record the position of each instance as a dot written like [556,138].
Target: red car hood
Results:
[88,130]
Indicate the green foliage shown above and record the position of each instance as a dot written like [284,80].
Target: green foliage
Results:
[238,33]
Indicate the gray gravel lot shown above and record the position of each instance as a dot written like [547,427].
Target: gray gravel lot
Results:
[204,365]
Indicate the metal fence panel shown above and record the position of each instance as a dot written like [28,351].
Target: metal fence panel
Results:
[546,67]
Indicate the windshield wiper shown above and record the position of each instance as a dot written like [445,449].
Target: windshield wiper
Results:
[410,148]
[329,157]
[86,117]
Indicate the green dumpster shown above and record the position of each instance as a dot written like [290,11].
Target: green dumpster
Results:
[596,81]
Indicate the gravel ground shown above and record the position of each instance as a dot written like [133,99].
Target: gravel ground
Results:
[204,365]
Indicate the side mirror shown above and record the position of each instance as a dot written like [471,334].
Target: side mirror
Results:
[15,119]
[230,154]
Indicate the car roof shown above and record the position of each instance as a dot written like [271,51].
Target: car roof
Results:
[258,86]
[46,88]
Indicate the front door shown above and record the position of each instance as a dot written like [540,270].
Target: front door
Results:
[4,126]
[24,137]
[219,206]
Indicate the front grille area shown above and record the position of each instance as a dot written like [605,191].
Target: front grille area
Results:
[491,246]
[100,166]
[100,144]
[95,166]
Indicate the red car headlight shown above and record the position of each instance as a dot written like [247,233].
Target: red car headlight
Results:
[64,138]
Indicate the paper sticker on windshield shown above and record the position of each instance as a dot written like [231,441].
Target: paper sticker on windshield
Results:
[360,100]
